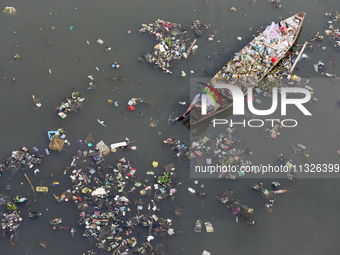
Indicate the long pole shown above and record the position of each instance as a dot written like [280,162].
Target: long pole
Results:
[297,59]
[193,43]
[31,186]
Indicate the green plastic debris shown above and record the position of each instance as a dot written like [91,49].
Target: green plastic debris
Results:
[241,173]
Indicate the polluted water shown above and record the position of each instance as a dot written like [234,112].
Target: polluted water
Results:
[100,163]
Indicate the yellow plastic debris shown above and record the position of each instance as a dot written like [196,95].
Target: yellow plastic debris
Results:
[155,164]
[41,189]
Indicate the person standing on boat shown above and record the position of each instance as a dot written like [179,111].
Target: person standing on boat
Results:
[196,102]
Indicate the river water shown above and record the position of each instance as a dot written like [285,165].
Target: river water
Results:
[305,221]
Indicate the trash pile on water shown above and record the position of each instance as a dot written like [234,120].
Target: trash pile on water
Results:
[10,225]
[134,102]
[332,32]
[105,195]
[276,3]
[240,211]
[226,150]
[23,159]
[57,140]
[12,219]
[172,44]
[182,149]
[74,102]
[165,186]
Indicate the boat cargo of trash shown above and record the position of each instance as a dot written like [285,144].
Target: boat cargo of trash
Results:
[251,64]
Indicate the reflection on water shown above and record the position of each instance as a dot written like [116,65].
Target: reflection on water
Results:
[55,57]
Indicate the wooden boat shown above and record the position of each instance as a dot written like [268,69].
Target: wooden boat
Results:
[250,65]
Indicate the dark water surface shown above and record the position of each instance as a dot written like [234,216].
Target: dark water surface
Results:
[305,221]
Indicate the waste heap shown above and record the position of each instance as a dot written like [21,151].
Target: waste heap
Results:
[10,225]
[101,192]
[265,193]
[74,102]
[23,159]
[134,102]
[276,3]
[57,139]
[332,32]
[198,27]
[227,150]
[171,46]
[239,210]
[182,149]
[166,182]
[249,65]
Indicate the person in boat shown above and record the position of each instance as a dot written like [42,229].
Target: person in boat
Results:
[196,102]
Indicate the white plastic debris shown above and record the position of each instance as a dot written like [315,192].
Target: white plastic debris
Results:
[150,238]
[239,38]
[183,103]
[118,145]
[100,41]
[205,252]
[191,190]
[123,199]
[101,122]
[171,231]
[99,192]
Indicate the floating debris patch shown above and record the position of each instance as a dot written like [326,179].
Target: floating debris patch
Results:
[172,43]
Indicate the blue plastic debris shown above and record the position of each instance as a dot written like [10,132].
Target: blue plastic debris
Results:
[52,133]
